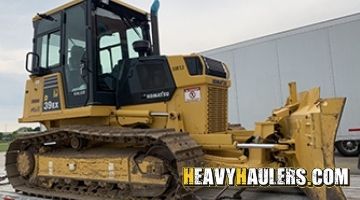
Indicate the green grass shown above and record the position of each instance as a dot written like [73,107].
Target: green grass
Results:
[3,146]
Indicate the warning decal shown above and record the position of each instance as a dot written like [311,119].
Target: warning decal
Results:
[192,94]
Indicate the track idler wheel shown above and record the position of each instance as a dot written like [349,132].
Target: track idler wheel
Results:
[25,163]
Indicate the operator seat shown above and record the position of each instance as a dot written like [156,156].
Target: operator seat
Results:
[76,53]
[74,77]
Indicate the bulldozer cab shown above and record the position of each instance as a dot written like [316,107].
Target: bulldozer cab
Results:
[87,42]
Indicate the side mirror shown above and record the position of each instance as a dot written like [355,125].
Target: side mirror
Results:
[34,59]
[35,68]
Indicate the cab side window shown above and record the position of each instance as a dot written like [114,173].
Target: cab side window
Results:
[132,35]
[48,49]
[110,52]
[110,49]
[48,42]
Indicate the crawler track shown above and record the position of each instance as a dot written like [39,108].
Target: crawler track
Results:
[184,152]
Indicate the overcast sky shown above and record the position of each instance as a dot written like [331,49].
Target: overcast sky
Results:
[186,26]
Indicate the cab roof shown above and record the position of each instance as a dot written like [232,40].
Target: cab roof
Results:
[74,2]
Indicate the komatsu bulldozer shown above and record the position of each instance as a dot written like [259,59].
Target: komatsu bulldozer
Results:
[122,120]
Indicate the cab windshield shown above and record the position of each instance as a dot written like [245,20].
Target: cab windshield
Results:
[116,31]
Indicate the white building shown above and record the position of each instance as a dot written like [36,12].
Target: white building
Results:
[325,54]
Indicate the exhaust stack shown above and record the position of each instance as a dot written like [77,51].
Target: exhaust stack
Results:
[155,27]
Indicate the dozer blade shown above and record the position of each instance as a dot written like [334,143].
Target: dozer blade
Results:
[313,126]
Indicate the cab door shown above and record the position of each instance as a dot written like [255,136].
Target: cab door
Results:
[76,77]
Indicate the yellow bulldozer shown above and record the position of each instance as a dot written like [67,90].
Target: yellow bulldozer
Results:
[122,120]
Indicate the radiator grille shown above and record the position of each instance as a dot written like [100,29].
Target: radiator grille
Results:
[217,109]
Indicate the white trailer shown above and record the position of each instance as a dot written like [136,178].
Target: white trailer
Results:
[325,54]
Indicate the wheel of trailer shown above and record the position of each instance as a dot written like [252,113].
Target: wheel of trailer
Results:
[348,147]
